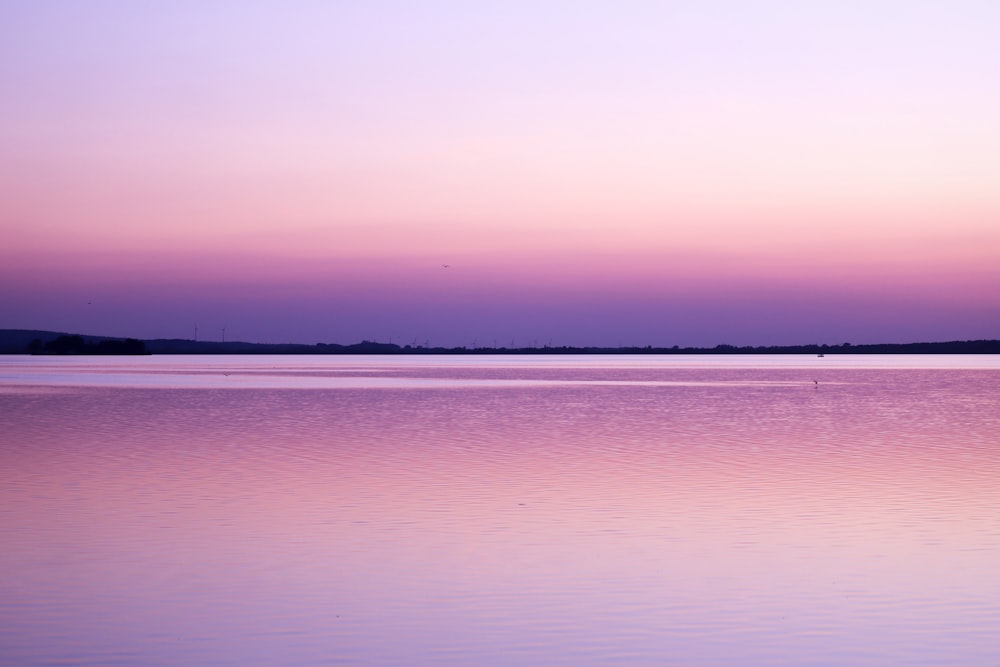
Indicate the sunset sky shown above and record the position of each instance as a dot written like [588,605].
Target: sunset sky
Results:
[626,173]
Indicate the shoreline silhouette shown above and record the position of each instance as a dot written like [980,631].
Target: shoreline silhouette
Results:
[30,341]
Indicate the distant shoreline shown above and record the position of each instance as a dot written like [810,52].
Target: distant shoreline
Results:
[30,341]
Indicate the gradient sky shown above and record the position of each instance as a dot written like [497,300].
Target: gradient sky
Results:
[602,173]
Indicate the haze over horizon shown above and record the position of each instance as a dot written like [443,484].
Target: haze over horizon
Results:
[652,173]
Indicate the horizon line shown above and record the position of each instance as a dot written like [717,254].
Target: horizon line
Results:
[992,345]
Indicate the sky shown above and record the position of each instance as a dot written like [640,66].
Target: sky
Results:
[483,173]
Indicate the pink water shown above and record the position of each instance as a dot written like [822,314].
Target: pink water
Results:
[498,511]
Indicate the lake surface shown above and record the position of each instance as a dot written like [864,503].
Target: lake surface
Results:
[500,510]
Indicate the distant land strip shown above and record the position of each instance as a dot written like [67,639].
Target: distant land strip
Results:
[29,341]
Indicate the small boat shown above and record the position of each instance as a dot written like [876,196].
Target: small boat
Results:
[820,355]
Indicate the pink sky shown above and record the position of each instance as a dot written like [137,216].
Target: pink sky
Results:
[654,173]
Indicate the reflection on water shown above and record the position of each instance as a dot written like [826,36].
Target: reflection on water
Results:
[479,511]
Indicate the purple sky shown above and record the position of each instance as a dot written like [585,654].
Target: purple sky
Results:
[650,173]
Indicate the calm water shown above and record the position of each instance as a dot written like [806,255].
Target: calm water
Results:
[500,511]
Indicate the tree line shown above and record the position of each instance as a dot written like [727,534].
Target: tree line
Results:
[77,345]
